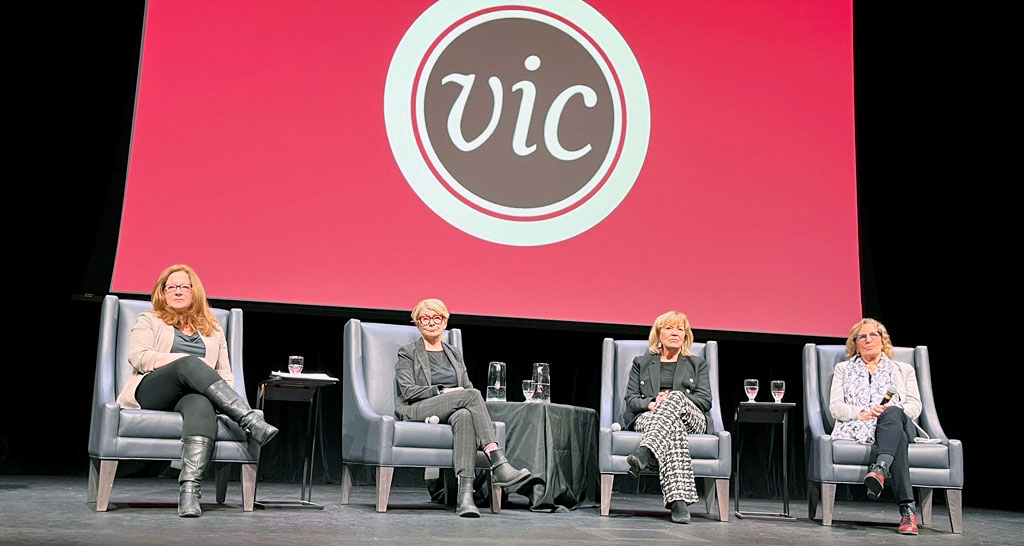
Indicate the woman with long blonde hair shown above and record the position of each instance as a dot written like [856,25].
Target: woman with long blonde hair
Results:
[179,359]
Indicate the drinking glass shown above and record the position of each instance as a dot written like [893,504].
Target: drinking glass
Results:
[542,382]
[496,382]
[778,389]
[295,364]
[750,386]
[528,389]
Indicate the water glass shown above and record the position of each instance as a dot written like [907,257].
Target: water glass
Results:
[528,389]
[295,364]
[496,382]
[750,387]
[778,389]
[542,382]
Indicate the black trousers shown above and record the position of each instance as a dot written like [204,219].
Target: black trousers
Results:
[892,437]
[179,386]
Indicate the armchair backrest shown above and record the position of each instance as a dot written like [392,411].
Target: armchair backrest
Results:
[617,360]
[371,351]
[117,317]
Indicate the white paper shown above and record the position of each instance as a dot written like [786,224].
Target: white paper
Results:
[309,376]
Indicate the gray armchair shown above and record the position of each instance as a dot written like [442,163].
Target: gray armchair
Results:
[119,434]
[830,462]
[370,434]
[711,453]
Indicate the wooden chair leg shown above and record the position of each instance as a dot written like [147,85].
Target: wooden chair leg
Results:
[722,484]
[813,498]
[924,503]
[248,486]
[384,475]
[828,501]
[223,473]
[94,478]
[495,499]
[104,483]
[955,503]
[709,494]
[346,483]
[607,480]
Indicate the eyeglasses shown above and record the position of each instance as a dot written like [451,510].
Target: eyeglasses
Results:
[864,337]
[170,288]
[427,321]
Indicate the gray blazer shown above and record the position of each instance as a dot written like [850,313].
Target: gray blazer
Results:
[691,378]
[412,374]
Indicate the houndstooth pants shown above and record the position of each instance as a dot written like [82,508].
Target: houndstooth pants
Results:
[665,432]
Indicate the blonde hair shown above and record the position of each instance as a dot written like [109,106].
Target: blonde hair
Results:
[431,304]
[197,315]
[668,319]
[851,344]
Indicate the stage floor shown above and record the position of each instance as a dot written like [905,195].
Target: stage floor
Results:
[52,510]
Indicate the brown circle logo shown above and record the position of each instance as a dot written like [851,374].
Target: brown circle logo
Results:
[519,116]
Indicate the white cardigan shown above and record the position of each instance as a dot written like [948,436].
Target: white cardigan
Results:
[906,386]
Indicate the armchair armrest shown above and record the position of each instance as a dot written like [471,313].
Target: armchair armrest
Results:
[103,429]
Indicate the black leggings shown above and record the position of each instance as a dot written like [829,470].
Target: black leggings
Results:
[892,437]
[179,386]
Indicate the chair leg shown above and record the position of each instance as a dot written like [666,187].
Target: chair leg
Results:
[722,484]
[346,483]
[925,504]
[813,498]
[384,475]
[955,503]
[223,473]
[94,477]
[495,499]
[607,480]
[248,486]
[828,501]
[709,494]
[104,483]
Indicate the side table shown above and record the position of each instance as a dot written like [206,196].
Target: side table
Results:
[765,413]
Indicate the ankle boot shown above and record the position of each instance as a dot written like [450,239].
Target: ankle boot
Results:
[502,473]
[196,452]
[227,400]
[466,506]
[875,480]
[639,460]
[680,514]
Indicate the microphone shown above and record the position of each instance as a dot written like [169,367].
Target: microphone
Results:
[432,420]
[889,393]
[616,427]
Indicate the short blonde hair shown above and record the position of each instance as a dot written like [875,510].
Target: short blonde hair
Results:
[851,344]
[198,315]
[430,304]
[669,319]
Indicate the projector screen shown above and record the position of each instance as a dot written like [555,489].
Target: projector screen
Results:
[599,161]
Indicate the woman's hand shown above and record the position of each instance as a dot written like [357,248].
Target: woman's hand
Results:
[877,410]
[657,399]
[453,389]
[871,413]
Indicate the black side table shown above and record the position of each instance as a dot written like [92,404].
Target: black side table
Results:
[296,388]
[766,413]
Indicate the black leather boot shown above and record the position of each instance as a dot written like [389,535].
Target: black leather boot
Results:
[466,506]
[502,473]
[680,514]
[227,400]
[639,460]
[196,452]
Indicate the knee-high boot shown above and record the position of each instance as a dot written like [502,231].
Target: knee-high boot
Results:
[196,452]
[227,400]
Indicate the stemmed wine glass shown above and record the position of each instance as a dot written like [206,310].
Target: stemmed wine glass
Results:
[528,389]
[778,389]
[750,386]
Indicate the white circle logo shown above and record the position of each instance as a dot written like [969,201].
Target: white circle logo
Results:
[520,124]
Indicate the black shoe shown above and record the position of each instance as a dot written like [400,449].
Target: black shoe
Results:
[466,506]
[639,460]
[227,400]
[502,473]
[196,452]
[875,480]
[680,514]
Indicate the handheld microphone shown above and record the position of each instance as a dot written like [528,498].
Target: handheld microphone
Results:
[889,393]
[432,420]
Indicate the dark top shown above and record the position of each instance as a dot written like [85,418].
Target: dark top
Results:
[442,372]
[691,377]
[192,344]
[668,371]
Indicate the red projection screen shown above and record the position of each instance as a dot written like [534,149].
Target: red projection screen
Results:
[598,161]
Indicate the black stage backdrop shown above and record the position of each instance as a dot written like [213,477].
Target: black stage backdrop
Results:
[928,254]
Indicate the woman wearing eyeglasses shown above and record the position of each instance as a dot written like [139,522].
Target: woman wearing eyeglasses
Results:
[667,397]
[432,381]
[857,402]
[180,362]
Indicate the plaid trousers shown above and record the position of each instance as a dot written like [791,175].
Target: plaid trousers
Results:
[665,432]
[471,425]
